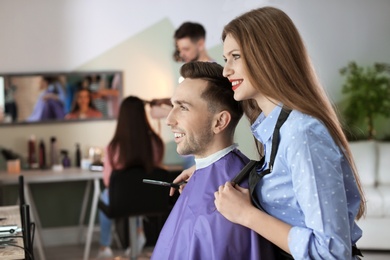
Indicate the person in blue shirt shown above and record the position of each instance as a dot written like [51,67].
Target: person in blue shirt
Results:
[312,196]
[308,201]
[50,102]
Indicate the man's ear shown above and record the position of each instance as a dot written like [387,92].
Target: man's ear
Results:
[201,44]
[221,121]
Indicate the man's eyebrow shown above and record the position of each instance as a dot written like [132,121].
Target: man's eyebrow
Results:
[181,102]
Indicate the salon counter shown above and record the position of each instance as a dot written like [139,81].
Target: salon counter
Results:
[61,191]
[60,198]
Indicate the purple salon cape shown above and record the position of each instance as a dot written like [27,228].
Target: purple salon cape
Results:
[196,230]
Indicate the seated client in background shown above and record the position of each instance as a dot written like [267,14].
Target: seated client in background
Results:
[50,102]
[135,143]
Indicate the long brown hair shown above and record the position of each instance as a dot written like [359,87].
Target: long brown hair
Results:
[278,66]
[135,140]
[76,107]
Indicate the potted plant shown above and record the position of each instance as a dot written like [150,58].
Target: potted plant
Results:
[367,91]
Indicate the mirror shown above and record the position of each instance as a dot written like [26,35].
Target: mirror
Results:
[27,98]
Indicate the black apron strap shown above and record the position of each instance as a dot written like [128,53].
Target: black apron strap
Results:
[276,135]
[255,176]
[356,252]
[275,143]
[245,172]
[252,167]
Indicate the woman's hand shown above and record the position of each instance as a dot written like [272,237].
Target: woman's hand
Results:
[232,202]
[183,176]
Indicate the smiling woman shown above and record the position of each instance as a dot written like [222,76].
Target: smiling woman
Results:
[49,97]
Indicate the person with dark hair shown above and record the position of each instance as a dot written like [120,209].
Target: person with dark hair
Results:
[134,143]
[190,43]
[83,107]
[203,119]
[307,192]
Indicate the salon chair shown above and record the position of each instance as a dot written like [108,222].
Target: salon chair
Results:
[129,197]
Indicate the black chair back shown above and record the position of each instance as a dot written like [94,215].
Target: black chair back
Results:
[27,228]
[129,196]
[22,199]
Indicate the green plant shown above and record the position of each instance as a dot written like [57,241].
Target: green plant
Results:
[368,96]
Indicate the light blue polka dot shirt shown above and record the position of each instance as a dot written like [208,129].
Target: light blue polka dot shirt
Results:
[311,187]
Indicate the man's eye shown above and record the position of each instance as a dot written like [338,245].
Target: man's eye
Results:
[183,108]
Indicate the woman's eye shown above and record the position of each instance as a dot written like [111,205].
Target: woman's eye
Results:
[236,56]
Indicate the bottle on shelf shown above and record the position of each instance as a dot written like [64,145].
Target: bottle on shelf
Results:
[42,155]
[32,156]
[78,155]
[53,152]
[65,159]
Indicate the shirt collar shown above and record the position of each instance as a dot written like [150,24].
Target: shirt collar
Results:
[263,127]
[204,162]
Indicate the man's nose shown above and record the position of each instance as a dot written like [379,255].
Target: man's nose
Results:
[170,119]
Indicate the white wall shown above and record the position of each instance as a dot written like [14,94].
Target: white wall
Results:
[44,35]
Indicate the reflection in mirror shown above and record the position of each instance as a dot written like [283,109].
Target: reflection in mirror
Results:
[59,97]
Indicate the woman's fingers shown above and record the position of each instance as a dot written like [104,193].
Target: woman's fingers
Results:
[231,201]
[185,175]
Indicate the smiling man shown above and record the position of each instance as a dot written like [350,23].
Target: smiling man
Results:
[203,120]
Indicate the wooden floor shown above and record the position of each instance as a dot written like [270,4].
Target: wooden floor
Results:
[75,252]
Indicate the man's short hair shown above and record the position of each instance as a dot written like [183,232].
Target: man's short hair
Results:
[194,31]
[219,93]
